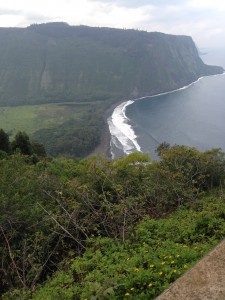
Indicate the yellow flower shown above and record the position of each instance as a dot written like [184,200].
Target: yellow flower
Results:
[59,193]
[174,271]
[163,263]
[151,266]
[150,284]
[178,256]
[170,256]
[136,270]
[127,294]
[132,289]
[165,257]
[185,266]
[160,273]
[172,262]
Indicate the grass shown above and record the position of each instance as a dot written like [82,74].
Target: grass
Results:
[31,118]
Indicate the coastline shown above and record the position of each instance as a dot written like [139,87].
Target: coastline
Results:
[105,145]
[104,148]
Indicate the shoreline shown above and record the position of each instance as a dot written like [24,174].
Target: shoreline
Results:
[105,144]
[104,148]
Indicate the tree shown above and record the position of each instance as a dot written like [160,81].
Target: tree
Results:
[4,141]
[38,149]
[163,147]
[22,142]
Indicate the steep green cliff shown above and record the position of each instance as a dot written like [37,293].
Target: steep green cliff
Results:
[56,62]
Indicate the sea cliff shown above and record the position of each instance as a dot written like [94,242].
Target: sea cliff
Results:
[55,62]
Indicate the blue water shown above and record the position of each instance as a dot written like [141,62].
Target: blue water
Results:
[194,116]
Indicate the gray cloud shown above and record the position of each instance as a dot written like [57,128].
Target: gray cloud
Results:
[35,17]
[202,19]
[6,11]
[135,3]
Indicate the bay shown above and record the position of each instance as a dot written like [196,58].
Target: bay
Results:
[193,116]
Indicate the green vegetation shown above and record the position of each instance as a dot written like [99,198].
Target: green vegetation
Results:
[158,252]
[35,117]
[69,129]
[98,229]
[4,141]
[22,144]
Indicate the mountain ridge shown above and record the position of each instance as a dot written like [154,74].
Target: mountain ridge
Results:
[56,62]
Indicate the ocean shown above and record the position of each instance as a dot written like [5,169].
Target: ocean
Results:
[193,115]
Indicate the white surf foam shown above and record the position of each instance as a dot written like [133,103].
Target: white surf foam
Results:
[123,135]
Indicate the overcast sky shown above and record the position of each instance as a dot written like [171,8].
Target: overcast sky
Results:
[204,20]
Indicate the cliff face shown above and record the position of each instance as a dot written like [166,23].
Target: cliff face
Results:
[56,62]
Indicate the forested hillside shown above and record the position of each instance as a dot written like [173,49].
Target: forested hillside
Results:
[55,62]
[99,229]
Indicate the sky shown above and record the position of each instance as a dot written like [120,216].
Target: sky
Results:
[204,20]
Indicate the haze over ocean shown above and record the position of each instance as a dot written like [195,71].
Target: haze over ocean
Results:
[194,116]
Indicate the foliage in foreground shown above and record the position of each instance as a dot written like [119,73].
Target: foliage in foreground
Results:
[95,229]
[155,255]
